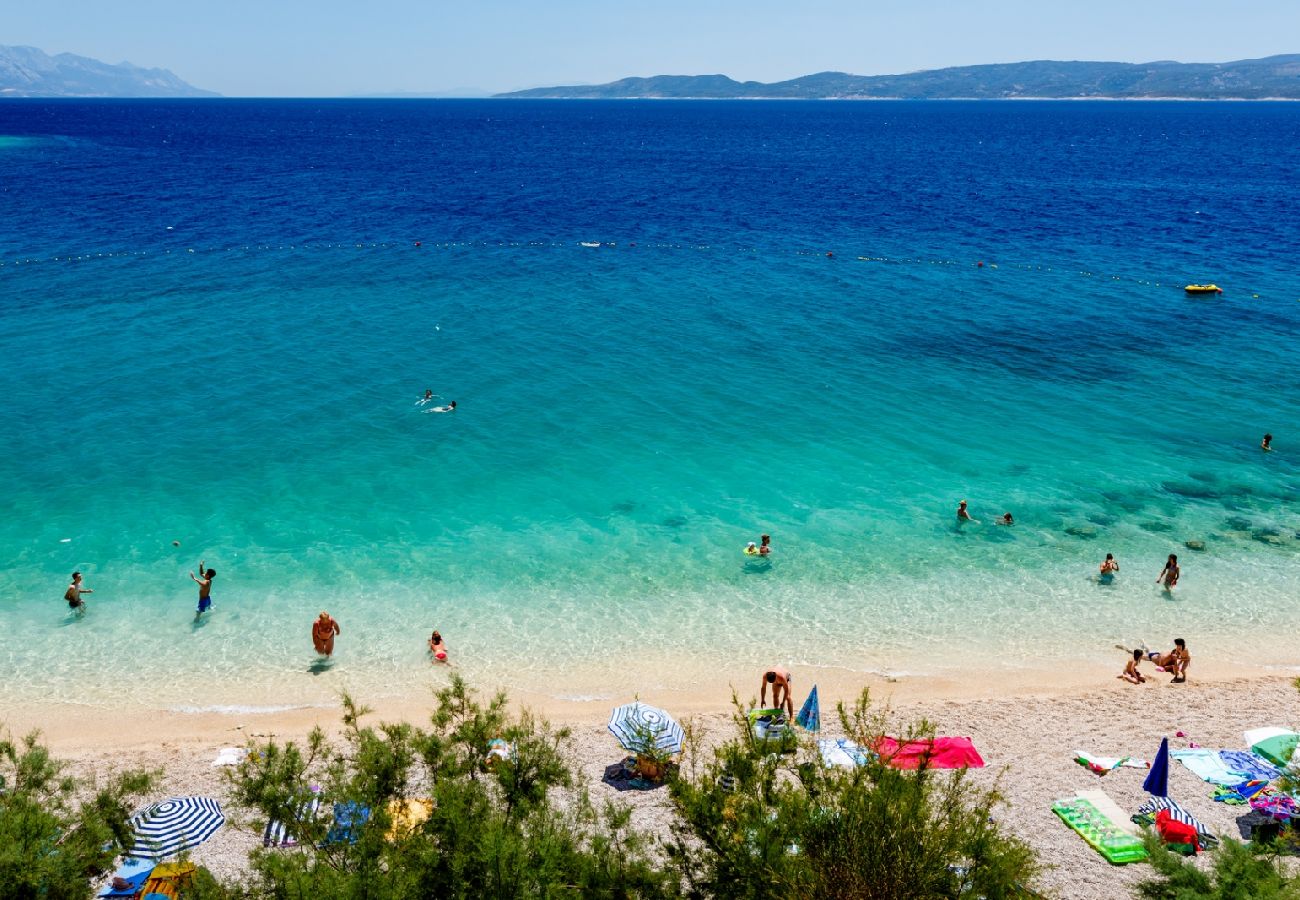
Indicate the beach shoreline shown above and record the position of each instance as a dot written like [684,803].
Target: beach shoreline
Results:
[1027,737]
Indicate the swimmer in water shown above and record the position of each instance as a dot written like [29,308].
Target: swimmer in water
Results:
[1108,565]
[1267,444]
[751,549]
[74,592]
[205,589]
[962,514]
[766,547]
[1006,520]
[451,407]
[1169,575]
[438,647]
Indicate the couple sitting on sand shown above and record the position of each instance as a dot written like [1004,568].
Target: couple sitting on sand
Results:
[1176,661]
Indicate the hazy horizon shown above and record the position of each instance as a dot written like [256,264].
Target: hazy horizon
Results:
[300,49]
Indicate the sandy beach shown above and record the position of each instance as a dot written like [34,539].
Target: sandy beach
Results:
[1027,734]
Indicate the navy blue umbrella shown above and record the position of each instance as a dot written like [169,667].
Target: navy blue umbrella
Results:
[171,826]
[1157,783]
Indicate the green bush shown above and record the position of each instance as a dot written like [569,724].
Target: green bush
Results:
[50,845]
[493,832]
[1239,872]
[764,825]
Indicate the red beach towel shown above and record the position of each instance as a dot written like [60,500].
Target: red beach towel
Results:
[939,753]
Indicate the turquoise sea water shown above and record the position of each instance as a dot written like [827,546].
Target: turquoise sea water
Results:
[217,322]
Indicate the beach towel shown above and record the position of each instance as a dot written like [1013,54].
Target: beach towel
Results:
[1147,812]
[1172,831]
[348,819]
[842,752]
[1278,806]
[406,816]
[1249,765]
[1207,765]
[1101,823]
[1103,764]
[280,834]
[132,874]
[937,753]
[230,756]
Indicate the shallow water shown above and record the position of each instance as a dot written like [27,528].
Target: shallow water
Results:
[217,321]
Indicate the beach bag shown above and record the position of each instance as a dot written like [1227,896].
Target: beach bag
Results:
[1175,833]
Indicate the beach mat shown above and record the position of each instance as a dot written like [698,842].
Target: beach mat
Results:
[280,834]
[1101,823]
[934,753]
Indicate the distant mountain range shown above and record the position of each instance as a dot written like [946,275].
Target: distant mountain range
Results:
[1248,79]
[29,72]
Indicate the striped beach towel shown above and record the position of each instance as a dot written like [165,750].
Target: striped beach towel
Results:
[280,834]
[1154,805]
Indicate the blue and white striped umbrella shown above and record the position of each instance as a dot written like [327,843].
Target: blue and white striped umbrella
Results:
[636,723]
[171,826]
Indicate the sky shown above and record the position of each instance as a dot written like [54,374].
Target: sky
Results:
[301,48]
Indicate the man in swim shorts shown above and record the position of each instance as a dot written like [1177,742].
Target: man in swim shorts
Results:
[205,589]
[74,592]
[322,634]
[780,679]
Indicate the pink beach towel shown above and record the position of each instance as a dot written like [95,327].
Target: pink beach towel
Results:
[939,753]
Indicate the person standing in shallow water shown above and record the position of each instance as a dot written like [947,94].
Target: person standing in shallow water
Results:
[1169,575]
[74,592]
[205,589]
[322,633]
[1108,565]
[963,515]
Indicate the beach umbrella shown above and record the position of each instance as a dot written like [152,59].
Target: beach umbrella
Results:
[1277,745]
[810,714]
[636,724]
[171,826]
[1157,783]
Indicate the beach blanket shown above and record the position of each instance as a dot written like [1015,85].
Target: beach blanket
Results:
[1278,806]
[1103,764]
[279,834]
[1147,812]
[1208,765]
[1101,823]
[936,753]
[230,756]
[842,752]
[131,876]
[1249,765]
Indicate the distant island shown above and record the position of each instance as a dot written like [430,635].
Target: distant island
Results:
[1275,77]
[29,72]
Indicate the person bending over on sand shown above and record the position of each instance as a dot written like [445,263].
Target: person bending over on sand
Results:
[322,634]
[74,592]
[766,547]
[205,589]
[1108,565]
[438,647]
[1006,519]
[1182,658]
[1130,673]
[1169,575]
[780,679]
[1267,444]
[962,514]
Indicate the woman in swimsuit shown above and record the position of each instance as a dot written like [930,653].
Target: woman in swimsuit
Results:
[438,647]
[1169,576]
[74,592]
[322,634]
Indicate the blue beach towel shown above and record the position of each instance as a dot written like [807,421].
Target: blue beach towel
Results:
[1249,765]
[1209,766]
[810,714]
[135,872]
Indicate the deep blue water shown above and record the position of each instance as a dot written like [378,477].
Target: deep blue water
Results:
[216,316]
